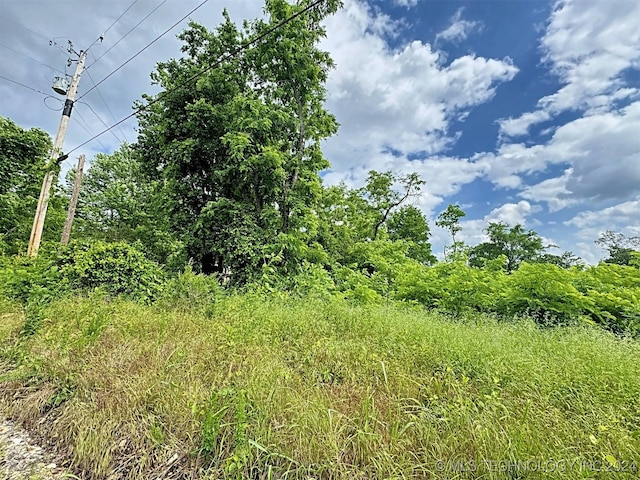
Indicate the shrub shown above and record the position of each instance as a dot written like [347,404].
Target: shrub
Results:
[118,268]
[614,293]
[24,278]
[546,292]
[192,290]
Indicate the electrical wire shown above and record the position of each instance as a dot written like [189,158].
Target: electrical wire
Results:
[125,35]
[44,100]
[30,58]
[147,46]
[25,86]
[121,15]
[106,105]
[88,129]
[229,55]
[102,121]
[46,96]
[101,37]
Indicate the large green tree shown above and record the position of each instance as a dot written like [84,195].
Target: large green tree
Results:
[383,199]
[235,144]
[565,260]
[350,218]
[118,203]
[619,247]
[23,158]
[112,200]
[515,243]
[408,224]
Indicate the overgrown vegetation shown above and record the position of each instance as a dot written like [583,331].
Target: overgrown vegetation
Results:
[247,386]
[224,314]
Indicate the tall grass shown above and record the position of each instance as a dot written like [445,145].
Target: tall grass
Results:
[247,387]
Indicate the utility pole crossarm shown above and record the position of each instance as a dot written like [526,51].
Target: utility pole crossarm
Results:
[56,154]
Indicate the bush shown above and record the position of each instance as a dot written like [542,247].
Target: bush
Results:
[614,293]
[118,268]
[24,278]
[453,287]
[546,292]
[192,290]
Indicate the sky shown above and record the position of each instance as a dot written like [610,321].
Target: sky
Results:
[521,111]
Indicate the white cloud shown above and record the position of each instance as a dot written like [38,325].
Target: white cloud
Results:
[603,150]
[406,3]
[459,29]
[588,45]
[512,213]
[505,166]
[473,231]
[553,191]
[622,217]
[400,101]
[515,127]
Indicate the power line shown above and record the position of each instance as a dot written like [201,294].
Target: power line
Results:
[102,121]
[148,45]
[106,105]
[125,35]
[29,30]
[25,86]
[46,95]
[101,37]
[30,57]
[44,100]
[229,55]
[88,128]
[121,15]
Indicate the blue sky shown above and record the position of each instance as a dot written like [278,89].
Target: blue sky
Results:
[523,111]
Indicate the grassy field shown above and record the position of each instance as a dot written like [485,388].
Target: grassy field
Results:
[245,387]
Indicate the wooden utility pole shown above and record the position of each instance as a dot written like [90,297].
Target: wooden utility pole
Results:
[66,231]
[56,152]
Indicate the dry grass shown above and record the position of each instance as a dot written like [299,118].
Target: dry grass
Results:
[243,387]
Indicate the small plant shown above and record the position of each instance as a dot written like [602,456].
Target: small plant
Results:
[224,424]
[191,289]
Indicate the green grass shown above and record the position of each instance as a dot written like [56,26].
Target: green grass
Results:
[246,387]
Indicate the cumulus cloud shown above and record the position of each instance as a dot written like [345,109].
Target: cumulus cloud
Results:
[400,101]
[621,217]
[512,213]
[473,230]
[553,191]
[603,150]
[459,29]
[588,45]
[515,127]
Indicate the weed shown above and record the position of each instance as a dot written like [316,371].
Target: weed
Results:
[251,387]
